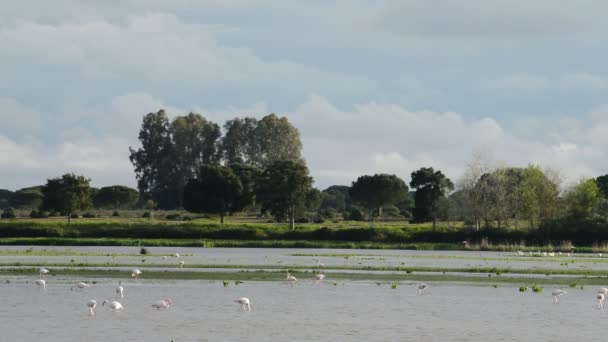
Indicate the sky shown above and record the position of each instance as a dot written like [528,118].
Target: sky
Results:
[373,86]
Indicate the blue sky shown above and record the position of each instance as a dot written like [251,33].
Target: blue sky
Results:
[373,86]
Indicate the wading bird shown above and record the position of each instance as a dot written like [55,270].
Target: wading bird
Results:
[557,293]
[113,305]
[318,278]
[41,284]
[245,304]
[79,285]
[181,264]
[600,301]
[603,290]
[422,287]
[176,255]
[43,272]
[136,273]
[120,291]
[319,263]
[92,304]
[162,304]
[291,279]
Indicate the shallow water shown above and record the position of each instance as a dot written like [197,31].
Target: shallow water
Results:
[350,311]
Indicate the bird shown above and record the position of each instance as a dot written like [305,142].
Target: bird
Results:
[422,287]
[92,304]
[603,290]
[136,273]
[245,304]
[162,304]
[291,279]
[41,284]
[557,293]
[43,272]
[79,285]
[318,278]
[164,257]
[520,253]
[176,255]
[319,263]
[600,301]
[120,290]
[181,264]
[552,254]
[114,305]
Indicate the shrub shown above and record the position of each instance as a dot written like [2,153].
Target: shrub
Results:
[8,213]
[89,215]
[143,251]
[174,217]
[39,214]
[187,218]
[147,214]
[354,215]
[74,216]
[115,214]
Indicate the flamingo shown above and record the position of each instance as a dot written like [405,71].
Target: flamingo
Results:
[162,304]
[422,287]
[319,263]
[600,301]
[92,304]
[43,272]
[318,278]
[113,305]
[291,279]
[181,264]
[79,285]
[176,255]
[557,293]
[120,290]
[603,290]
[245,304]
[164,257]
[41,284]
[136,273]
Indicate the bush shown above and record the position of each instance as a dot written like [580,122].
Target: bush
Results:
[115,214]
[8,213]
[174,217]
[354,215]
[74,216]
[187,218]
[143,251]
[39,214]
[147,214]
[89,215]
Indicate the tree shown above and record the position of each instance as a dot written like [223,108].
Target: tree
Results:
[284,186]
[538,193]
[602,183]
[154,162]
[194,145]
[582,199]
[431,186]
[26,198]
[248,175]
[217,190]
[5,198]
[276,139]
[115,197]
[474,196]
[67,194]
[238,145]
[374,192]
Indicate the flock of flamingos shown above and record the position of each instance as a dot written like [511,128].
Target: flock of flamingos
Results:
[244,302]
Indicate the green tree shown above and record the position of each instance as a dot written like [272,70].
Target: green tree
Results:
[217,190]
[27,198]
[374,192]
[5,198]
[602,183]
[582,199]
[154,161]
[275,140]
[539,195]
[248,175]
[194,142]
[431,186]
[115,197]
[284,186]
[67,194]
[239,142]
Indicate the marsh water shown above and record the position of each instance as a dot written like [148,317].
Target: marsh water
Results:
[344,310]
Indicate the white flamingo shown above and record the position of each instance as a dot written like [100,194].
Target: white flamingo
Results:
[291,279]
[136,273]
[43,272]
[318,278]
[245,304]
[558,293]
[164,257]
[41,284]
[92,304]
[319,263]
[422,287]
[603,290]
[79,285]
[120,291]
[176,255]
[114,305]
[181,264]
[162,304]
[600,301]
